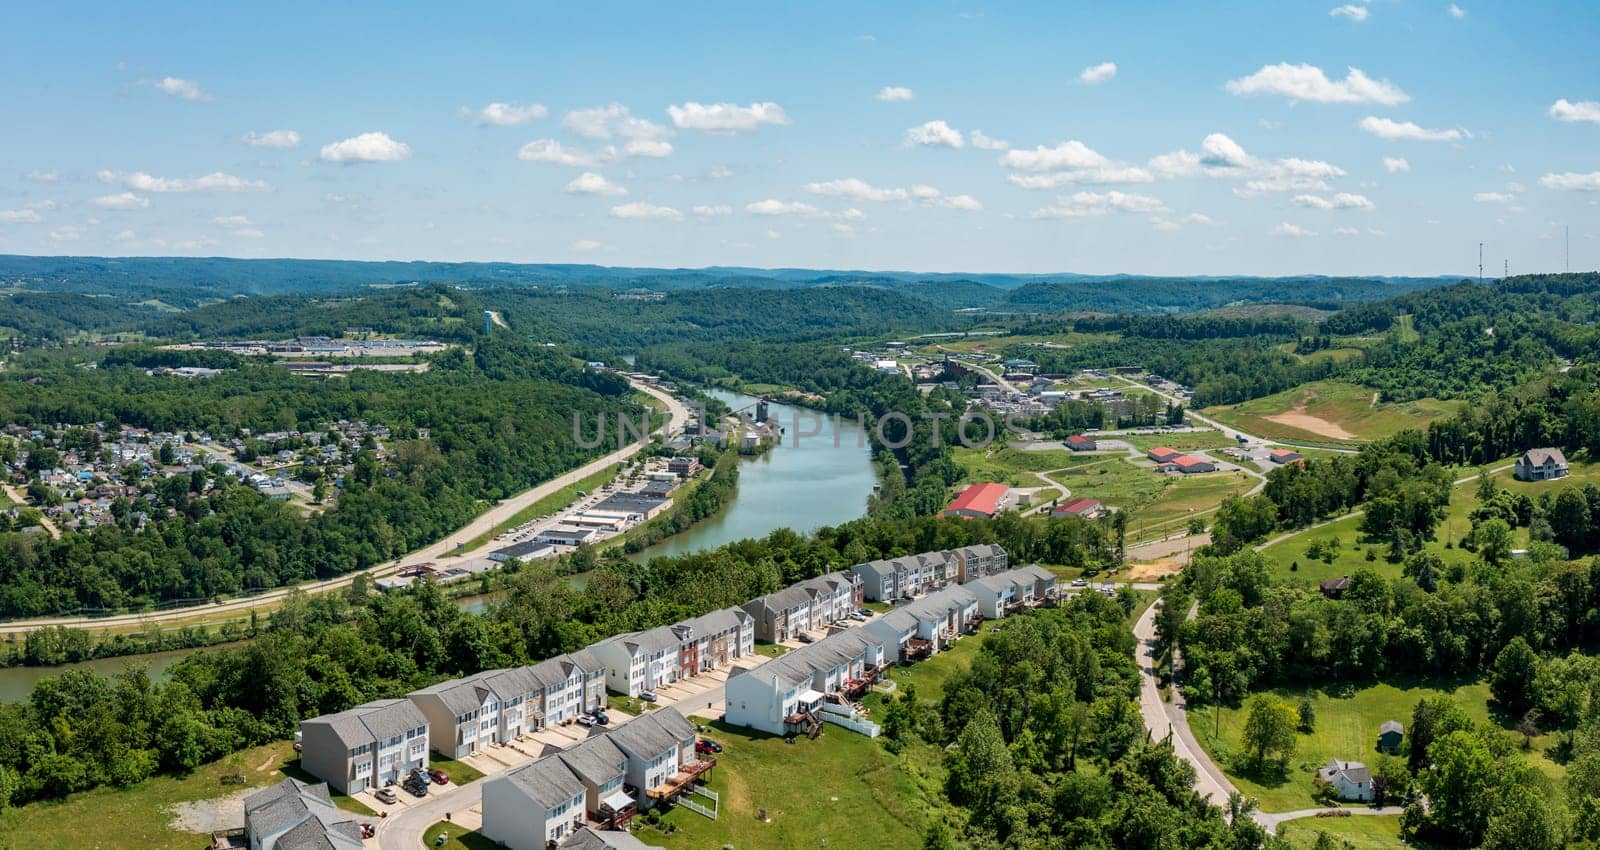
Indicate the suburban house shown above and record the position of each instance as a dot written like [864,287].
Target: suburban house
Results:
[1162,454]
[1390,734]
[1080,443]
[1188,464]
[601,766]
[603,839]
[1333,588]
[714,640]
[1000,594]
[534,806]
[894,631]
[978,500]
[1284,456]
[984,559]
[798,690]
[906,576]
[1540,465]
[661,757]
[1350,779]
[639,661]
[295,814]
[1086,508]
[565,688]
[833,596]
[473,713]
[369,746]
[942,616]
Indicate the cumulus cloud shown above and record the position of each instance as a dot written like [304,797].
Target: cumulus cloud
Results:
[1309,83]
[1572,181]
[272,139]
[1347,231]
[1092,204]
[232,221]
[1340,201]
[1295,230]
[726,117]
[590,183]
[19,217]
[1583,110]
[1222,157]
[1456,11]
[1351,11]
[650,148]
[986,143]
[854,189]
[644,209]
[505,114]
[1068,163]
[1396,164]
[965,203]
[935,134]
[1096,74]
[712,210]
[121,201]
[613,121]
[891,94]
[550,150]
[773,206]
[216,181]
[1494,197]
[1394,131]
[182,88]
[367,147]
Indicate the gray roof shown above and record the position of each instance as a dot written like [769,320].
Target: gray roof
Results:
[596,760]
[1391,726]
[522,550]
[592,839]
[460,696]
[548,781]
[800,665]
[716,622]
[585,660]
[378,720]
[879,568]
[1538,457]
[1353,771]
[651,734]
[793,596]
[549,672]
[304,814]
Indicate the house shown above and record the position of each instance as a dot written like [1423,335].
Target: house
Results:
[1333,588]
[602,767]
[639,661]
[1188,464]
[984,559]
[1281,456]
[713,640]
[294,814]
[368,746]
[781,615]
[533,806]
[1080,443]
[1540,465]
[833,597]
[978,500]
[605,839]
[1390,734]
[473,713]
[1003,593]
[563,689]
[661,757]
[1162,454]
[796,691]
[1350,779]
[1086,508]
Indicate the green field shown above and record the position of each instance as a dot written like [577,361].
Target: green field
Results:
[1330,412]
[1367,832]
[1015,467]
[1188,496]
[1346,729]
[1182,441]
[1113,481]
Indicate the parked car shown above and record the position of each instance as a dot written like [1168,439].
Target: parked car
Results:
[602,719]
[420,775]
[438,776]
[864,612]
[415,787]
[1078,582]
[648,696]
[386,795]
[806,638]
[585,720]
[857,615]
[706,745]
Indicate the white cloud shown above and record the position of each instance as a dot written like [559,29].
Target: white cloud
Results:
[935,134]
[986,143]
[550,150]
[966,203]
[587,245]
[1090,204]
[1069,163]
[1571,180]
[1222,157]
[644,209]
[773,206]
[1494,197]
[216,181]
[231,221]
[1096,74]
[248,233]
[712,210]
[125,236]
[38,176]
[1287,229]
[854,189]
[179,87]
[505,114]
[121,201]
[853,214]
[1456,11]
[1396,164]
[1309,83]
[19,217]
[1583,110]
[726,117]
[367,147]
[1351,11]
[1347,231]
[1393,131]
[272,139]
[612,121]
[66,234]
[590,183]
[1340,201]
[651,148]
[891,94]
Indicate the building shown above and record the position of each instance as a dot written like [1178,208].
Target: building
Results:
[978,500]
[1333,588]
[1188,464]
[639,661]
[781,615]
[1390,734]
[369,746]
[1540,465]
[904,577]
[683,467]
[714,640]
[527,550]
[795,692]
[1080,443]
[834,597]
[534,806]
[1086,508]
[1007,592]
[602,767]
[567,535]
[1350,779]
[984,559]
[479,711]
[1162,454]
[661,757]
[1285,456]
[605,839]
[295,814]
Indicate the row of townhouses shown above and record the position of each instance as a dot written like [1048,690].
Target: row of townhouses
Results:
[910,576]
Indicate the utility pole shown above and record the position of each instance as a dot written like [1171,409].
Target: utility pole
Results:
[1507,272]
[1480,263]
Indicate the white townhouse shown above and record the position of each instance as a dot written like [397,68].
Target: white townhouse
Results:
[907,576]
[786,694]
[558,690]
[944,615]
[1002,593]
[895,631]
[714,640]
[294,814]
[602,767]
[534,806]
[661,756]
[880,579]
[995,595]
[781,615]
[463,715]
[833,597]
[983,559]
[369,746]
[594,677]
[639,661]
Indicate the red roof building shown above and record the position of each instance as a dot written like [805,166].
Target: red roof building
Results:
[1285,456]
[978,500]
[1080,443]
[1086,508]
[1187,464]
[1162,454]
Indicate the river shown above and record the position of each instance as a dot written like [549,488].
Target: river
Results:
[17,682]
[803,487]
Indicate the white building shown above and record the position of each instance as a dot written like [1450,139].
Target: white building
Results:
[639,661]
[369,746]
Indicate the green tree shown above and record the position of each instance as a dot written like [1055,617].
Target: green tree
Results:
[1269,730]
[1515,669]
[1524,819]
[1308,716]
[1460,787]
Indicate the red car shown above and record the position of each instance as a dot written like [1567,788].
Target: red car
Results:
[706,746]
[438,776]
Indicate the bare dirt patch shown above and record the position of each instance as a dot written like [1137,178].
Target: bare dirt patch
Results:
[1297,417]
[1155,569]
[202,816]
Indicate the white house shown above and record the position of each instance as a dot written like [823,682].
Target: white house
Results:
[463,715]
[1540,465]
[369,746]
[1350,779]
[639,661]
[786,694]
[534,806]
[661,756]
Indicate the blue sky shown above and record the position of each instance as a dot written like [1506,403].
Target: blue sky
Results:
[1381,137]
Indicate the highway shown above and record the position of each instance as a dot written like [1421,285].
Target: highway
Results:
[678,416]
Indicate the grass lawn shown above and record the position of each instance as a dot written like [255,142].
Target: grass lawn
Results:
[1320,410]
[460,773]
[548,505]
[1113,481]
[1183,441]
[1366,832]
[631,705]
[141,816]
[928,676]
[461,838]
[840,790]
[1012,466]
[1347,729]
[1185,497]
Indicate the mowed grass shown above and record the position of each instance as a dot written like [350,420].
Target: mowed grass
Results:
[840,790]
[1367,832]
[460,773]
[1347,720]
[141,816]
[458,838]
[1182,441]
[1114,481]
[1347,406]
[928,676]
[1186,497]
[1011,466]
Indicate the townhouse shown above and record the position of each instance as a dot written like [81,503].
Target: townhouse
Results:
[983,559]
[787,695]
[639,661]
[907,576]
[661,757]
[1003,593]
[714,640]
[473,713]
[781,615]
[534,806]
[561,689]
[833,597]
[369,746]
[294,814]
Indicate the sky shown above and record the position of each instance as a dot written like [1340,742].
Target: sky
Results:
[1278,137]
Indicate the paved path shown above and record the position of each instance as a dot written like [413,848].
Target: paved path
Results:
[678,416]
[1271,820]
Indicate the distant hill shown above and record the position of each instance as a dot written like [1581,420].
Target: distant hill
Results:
[1188,294]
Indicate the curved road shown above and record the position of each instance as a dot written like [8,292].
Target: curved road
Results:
[678,416]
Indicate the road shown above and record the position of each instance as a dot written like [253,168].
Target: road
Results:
[678,416]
